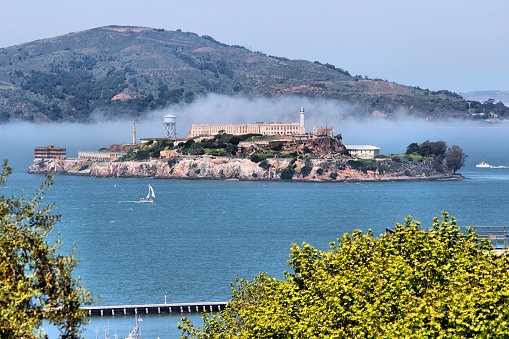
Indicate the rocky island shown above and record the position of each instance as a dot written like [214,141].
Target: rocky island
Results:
[255,157]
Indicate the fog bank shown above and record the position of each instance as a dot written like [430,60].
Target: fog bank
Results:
[392,136]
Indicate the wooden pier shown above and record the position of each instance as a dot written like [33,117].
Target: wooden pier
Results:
[176,308]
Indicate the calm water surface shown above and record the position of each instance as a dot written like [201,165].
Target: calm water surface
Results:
[199,235]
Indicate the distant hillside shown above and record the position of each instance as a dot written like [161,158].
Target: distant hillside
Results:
[483,96]
[128,71]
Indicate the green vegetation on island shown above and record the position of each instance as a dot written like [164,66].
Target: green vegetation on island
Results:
[325,155]
[441,282]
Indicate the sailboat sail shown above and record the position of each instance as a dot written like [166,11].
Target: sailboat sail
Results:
[149,196]
[136,332]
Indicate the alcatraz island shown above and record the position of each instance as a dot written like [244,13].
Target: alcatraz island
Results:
[256,151]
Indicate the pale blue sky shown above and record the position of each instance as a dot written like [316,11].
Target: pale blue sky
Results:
[458,45]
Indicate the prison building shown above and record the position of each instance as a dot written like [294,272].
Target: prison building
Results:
[271,128]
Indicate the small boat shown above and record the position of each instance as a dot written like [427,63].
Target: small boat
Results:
[149,196]
[483,165]
[136,332]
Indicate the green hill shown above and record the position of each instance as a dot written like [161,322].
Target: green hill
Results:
[128,71]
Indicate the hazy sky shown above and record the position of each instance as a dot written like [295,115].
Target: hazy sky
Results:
[459,45]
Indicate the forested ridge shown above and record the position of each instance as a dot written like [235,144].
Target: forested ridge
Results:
[125,72]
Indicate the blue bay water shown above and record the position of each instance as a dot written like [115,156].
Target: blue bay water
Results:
[199,235]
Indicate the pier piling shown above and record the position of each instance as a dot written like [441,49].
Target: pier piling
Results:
[154,308]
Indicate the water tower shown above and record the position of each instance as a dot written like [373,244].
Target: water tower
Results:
[170,126]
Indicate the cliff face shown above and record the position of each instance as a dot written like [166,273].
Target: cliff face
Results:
[186,168]
[205,167]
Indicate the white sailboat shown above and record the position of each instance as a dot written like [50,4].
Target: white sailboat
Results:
[150,195]
[136,332]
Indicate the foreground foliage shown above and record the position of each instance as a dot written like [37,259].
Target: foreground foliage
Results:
[36,281]
[413,283]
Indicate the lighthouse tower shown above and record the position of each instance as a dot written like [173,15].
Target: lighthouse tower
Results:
[134,133]
[302,128]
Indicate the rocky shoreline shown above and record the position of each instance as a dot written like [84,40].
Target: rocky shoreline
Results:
[226,168]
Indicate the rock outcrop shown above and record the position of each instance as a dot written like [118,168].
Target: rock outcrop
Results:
[217,168]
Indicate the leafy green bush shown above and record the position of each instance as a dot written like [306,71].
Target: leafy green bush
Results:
[305,170]
[219,145]
[428,148]
[173,161]
[264,164]
[287,155]
[411,283]
[415,158]
[287,173]
[37,279]
[355,164]
[215,151]
[256,158]
[276,145]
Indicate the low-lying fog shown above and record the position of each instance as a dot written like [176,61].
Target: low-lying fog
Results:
[19,139]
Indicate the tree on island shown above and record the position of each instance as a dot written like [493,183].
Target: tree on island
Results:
[36,281]
[409,283]
[455,158]
[428,148]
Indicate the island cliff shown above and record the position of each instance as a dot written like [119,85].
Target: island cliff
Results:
[258,157]
[228,168]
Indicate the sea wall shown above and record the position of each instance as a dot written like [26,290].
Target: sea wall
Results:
[224,168]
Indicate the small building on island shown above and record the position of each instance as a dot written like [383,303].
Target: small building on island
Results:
[50,152]
[363,151]
[100,156]
[323,131]
[168,153]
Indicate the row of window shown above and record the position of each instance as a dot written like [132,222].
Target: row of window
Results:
[211,130]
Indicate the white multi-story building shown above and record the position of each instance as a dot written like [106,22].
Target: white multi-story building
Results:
[363,151]
[271,128]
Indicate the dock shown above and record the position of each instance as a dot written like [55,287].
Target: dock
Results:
[174,308]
